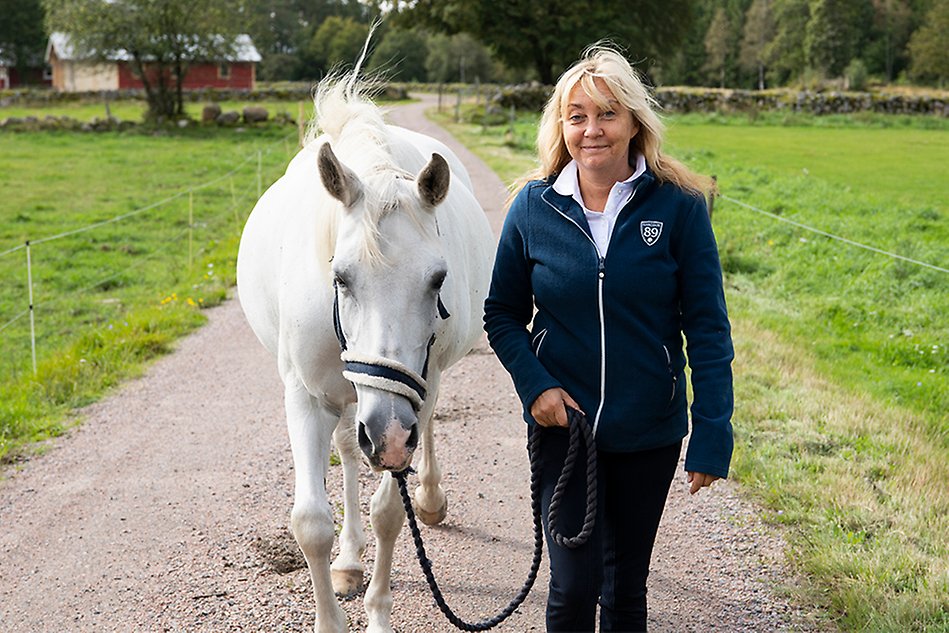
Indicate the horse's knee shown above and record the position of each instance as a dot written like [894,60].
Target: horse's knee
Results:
[313,529]
[345,438]
[386,512]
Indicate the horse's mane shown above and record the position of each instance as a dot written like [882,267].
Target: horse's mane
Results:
[353,124]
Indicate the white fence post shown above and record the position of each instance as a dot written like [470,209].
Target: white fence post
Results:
[29,281]
[27,245]
[190,230]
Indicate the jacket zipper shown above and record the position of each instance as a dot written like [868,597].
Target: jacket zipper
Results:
[601,274]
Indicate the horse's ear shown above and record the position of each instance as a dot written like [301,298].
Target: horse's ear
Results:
[339,180]
[433,181]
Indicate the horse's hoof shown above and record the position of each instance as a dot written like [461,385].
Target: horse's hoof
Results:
[346,582]
[431,518]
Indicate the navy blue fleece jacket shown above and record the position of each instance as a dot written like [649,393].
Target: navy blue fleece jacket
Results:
[609,329]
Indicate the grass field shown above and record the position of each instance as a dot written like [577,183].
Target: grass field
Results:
[842,396]
[110,295]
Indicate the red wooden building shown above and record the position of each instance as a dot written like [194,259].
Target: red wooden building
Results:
[73,74]
[12,77]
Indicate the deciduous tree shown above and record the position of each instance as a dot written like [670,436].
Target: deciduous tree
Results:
[717,43]
[892,20]
[927,48]
[457,58]
[552,34]
[757,34]
[337,41]
[832,36]
[21,32]
[785,53]
[283,30]
[401,54]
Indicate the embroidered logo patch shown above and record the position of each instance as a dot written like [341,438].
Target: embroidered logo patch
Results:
[650,230]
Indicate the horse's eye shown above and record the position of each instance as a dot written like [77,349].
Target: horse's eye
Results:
[339,282]
[438,279]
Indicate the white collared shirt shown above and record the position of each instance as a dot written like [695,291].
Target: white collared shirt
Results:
[601,223]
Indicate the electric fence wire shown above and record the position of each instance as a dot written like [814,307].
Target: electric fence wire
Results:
[263,152]
[832,236]
[139,262]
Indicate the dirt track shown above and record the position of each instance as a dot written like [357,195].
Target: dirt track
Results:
[167,509]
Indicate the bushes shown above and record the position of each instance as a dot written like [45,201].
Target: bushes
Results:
[531,97]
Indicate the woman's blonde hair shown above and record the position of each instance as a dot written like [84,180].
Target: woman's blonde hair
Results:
[602,61]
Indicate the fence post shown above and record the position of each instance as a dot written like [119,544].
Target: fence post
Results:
[301,126]
[237,219]
[190,230]
[440,86]
[458,106]
[711,196]
[29,282]
[259,175]
[510,136]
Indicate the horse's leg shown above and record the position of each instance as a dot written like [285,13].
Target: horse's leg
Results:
[386,515]
[311,427]
[347,570]
[431,504]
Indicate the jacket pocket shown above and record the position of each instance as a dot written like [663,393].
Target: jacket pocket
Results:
[672,376]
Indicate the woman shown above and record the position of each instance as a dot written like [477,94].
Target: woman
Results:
[611,242]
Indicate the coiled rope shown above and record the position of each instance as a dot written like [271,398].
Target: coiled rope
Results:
[578,425]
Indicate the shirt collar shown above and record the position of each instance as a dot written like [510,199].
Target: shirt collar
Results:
[568,184]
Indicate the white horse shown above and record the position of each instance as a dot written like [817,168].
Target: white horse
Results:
[380,222]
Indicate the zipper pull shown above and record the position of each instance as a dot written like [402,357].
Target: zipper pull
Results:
[601,269]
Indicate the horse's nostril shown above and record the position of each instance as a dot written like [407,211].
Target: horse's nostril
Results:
[364,442]
[412,442]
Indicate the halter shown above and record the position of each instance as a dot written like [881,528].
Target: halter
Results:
[384,373]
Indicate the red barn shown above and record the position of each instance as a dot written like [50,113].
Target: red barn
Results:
[73,74]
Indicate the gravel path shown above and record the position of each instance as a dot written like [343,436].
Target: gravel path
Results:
[167,509]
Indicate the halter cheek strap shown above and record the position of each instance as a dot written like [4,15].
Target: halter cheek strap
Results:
[384,373]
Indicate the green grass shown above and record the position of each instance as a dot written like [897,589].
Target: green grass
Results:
[107,300]
[827,155]
[875,321]
[842,397]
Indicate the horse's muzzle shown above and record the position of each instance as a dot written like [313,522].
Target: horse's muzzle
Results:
[386,441]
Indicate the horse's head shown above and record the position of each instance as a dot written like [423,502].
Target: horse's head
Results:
[388,271]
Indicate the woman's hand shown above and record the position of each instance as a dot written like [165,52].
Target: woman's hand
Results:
[699,481]
[549,407]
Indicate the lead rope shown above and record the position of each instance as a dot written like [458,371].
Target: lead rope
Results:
[577,424]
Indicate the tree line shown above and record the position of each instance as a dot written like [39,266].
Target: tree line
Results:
[726,43]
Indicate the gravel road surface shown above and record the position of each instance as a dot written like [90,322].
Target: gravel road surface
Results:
[167,509]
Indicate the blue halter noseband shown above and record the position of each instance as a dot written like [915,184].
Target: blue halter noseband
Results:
[383,373]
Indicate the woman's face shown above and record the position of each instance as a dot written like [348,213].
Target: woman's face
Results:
[598,140]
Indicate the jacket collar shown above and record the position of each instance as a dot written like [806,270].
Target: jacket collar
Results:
[567,205]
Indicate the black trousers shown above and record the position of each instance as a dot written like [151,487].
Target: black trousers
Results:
[611,568]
